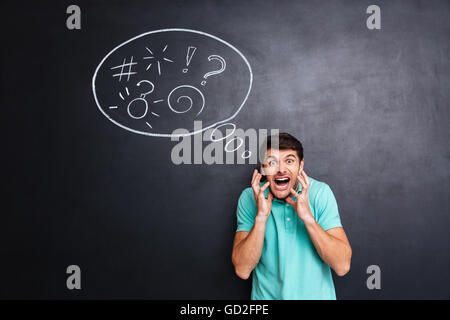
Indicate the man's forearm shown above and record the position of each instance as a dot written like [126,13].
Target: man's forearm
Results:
[248,251]
[335,252]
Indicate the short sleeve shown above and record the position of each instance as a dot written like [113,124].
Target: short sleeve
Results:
[328,213]
[246,211]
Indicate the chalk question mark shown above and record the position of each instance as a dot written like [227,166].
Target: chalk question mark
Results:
[211,73]
[152,86]
[141,100]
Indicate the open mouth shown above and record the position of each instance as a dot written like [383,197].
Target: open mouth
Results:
[282,183]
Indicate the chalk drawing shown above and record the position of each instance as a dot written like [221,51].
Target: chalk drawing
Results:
[136,102]
[137,108]
[245,155]
[220,70]
[248,152]
[122,67]
[239,145]
[158,61]
[194,90]
[154,100]
[152,86]
[213,139]
[189,55]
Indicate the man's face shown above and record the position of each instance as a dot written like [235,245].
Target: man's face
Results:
[281,168]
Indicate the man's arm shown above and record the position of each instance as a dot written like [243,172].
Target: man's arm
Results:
[331,245]
[247,246]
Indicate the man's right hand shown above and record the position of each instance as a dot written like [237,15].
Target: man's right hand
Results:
[264,205]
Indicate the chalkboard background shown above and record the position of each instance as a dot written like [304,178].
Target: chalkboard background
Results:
[371,108]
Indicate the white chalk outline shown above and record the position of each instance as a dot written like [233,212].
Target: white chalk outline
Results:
[178,101]
[122,66]
[189,55]
[249,154]
[143,95]
[223,124]
[186,86]
[131,102]
[166,134]
[158,62]
[235,138]
[214,72]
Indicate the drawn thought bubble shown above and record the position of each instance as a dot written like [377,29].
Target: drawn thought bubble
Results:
[166,79]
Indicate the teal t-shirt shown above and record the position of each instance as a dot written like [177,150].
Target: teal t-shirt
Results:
[290,267]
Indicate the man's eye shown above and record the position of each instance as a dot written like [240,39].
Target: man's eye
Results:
[290,161]
[272,163]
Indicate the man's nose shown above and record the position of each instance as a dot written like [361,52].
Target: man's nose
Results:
[282,168]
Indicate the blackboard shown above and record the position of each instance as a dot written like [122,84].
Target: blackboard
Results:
[371,108]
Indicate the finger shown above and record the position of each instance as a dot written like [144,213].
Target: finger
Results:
[256,181]
[255,176]
[305,176]
[255,188]
[255,172]
[258,178]
[270,196]
[290,201]
[264,187]
[302,182]
[294,193]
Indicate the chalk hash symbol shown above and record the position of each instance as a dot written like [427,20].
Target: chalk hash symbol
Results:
[125,64]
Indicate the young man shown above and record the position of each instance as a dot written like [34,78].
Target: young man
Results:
[288,230]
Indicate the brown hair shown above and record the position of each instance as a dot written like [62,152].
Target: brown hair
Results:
[287,141]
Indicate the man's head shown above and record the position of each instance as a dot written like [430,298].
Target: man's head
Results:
[282,165]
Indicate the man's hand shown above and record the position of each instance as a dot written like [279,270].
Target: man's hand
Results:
[264,205]
[301,205]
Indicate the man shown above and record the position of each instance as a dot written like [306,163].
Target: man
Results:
[289,232]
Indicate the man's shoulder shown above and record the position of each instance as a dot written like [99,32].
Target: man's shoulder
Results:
[247,202]
[247,195]
[318,188]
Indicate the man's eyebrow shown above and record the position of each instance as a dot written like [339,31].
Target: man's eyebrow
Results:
[291,155]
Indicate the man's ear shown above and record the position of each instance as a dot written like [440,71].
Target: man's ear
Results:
[261,169]
[302,163]
[263,178]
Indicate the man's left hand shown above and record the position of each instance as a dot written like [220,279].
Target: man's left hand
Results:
[301,203]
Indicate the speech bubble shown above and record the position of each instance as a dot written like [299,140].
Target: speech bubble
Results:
[164,80]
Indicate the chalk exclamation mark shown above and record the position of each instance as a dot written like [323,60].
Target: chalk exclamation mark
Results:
[189,55]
